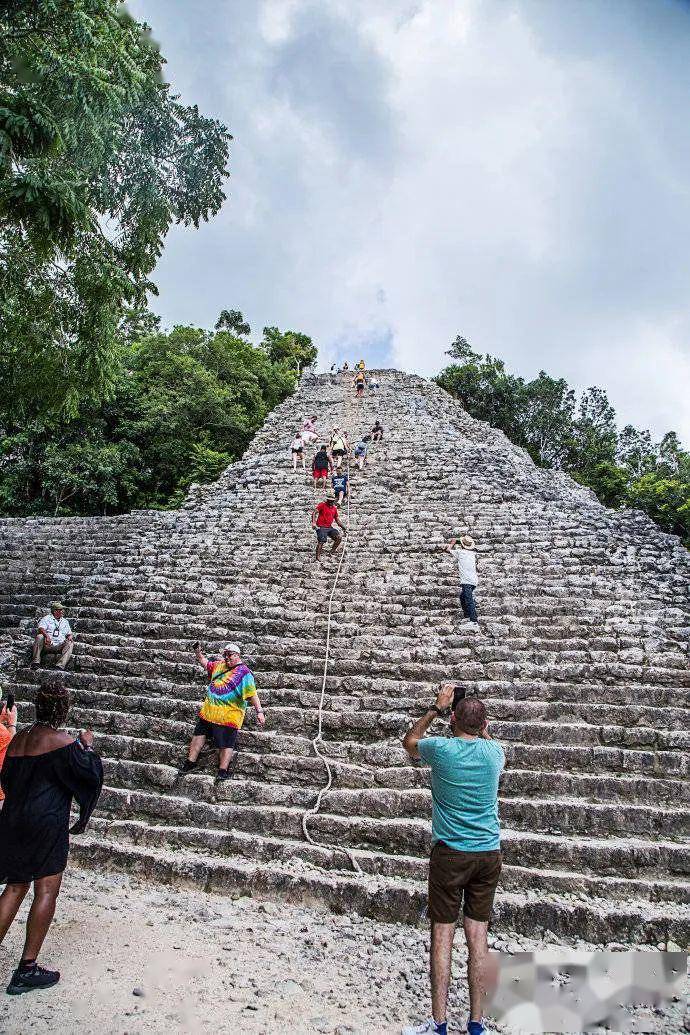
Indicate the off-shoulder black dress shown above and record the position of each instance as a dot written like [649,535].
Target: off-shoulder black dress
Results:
[34,822]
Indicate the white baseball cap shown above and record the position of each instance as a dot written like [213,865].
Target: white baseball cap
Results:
[231,648]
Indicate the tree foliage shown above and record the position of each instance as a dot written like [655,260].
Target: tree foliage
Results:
[184,405]
[98,158]
[543,416]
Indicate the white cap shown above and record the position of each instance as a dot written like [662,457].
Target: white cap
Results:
[231,648]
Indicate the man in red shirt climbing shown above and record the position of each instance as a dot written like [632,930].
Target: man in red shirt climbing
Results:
[323,517]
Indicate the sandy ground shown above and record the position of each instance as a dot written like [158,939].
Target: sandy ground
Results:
[137,959]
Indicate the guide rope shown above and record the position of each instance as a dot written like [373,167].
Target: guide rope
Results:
[315,743]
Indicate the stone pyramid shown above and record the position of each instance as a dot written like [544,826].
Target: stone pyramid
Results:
[581,657]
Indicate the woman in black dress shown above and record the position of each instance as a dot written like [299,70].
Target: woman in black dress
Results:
[44,769]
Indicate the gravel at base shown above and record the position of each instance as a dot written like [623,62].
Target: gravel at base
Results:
[136,959]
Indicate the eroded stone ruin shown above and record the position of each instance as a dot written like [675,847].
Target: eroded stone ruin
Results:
[582,659]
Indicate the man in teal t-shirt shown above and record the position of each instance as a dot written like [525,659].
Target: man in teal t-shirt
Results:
[466,855]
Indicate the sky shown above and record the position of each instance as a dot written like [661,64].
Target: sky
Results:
[404,171]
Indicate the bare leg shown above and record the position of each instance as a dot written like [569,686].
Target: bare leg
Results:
[337,543]
[195,746]
[225,758]
[441,954]
[46,891]
[10,901]
[477,959]
[319,551]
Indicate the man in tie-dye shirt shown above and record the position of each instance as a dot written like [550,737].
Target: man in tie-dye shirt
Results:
[231,688]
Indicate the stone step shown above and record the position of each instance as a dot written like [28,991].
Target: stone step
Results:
[567,815]
[608,856]
[633,922]
[282,767]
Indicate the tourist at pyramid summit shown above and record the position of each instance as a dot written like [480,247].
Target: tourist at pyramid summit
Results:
[463,552]
[230,690]
[466,860]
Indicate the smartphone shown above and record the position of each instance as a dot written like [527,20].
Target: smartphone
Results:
[9,704]
[459,694]
[196,645]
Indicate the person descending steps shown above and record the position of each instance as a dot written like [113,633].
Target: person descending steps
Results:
[466,560]
[359,383]
[321,466]
[308,431]
[323,517]
[361,450]
[221,716]
[339,446]
[297,452]
[341,486]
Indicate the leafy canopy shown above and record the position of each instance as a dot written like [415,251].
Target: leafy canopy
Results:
[98,158]
[543,416]
[184,405]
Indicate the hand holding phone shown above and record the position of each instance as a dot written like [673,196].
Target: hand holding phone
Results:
[196,645]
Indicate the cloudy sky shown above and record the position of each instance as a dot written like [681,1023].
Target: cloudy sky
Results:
[515,171]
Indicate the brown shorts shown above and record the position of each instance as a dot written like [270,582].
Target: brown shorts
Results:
[453,873]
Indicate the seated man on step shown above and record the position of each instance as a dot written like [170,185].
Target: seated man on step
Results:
[54,636]
[377,432]
[465,860]
[322,519]
[231,688]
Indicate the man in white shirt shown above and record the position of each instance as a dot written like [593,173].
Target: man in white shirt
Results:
[466,560]
[54,636]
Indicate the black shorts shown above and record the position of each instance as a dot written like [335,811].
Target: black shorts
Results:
[462,879]
[324,534]
[222,736]
[298,451]
[338,452]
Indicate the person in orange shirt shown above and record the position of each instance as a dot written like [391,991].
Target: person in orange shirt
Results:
[8,728]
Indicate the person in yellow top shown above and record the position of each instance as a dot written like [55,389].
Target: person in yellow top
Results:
[231,688]
[361,365]
[359,382]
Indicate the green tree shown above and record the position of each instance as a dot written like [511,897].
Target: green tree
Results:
[98,158]
[233,321]
[290,348]
[184,405]
[543,416]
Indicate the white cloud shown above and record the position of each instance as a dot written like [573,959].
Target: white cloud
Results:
[407,171]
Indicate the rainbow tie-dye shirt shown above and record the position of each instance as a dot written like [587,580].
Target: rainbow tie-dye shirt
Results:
[227,694]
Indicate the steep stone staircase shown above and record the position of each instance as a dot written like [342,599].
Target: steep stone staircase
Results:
[582,658]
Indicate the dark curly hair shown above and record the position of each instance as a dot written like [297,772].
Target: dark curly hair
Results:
[52,702]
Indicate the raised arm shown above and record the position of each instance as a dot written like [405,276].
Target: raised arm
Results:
[200,656]
[411,740]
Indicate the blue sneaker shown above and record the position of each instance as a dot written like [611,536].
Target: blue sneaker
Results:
[429,1027]
[477,1028]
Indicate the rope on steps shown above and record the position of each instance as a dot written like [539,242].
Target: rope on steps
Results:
[313,811]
